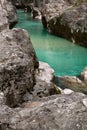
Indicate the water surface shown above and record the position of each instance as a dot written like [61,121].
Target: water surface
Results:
[63,56]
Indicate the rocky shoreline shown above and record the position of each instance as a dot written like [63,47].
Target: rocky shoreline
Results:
[29,98]
[67,19]
[64,18]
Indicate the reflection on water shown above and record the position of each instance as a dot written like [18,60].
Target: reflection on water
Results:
[65,57]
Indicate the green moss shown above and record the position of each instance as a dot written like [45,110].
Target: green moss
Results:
[79,2]
[55,89]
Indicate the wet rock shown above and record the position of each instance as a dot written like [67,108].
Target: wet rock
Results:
[36,14]
[73,83]
[62,112]
[17,65]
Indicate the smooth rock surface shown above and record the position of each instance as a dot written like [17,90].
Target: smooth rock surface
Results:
[73,83]
[67,91]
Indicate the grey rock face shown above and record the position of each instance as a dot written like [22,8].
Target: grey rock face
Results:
[53,9]
[67,19]
[44,83]
[63,112]
[3,20]
[2,99]
[17,65]
[9,11]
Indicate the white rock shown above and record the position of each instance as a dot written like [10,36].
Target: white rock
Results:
[85,102]
[67,91]
[45,73]
[2,98]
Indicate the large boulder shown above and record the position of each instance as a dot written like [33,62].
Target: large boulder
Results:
[83,75]
[73,83]
[52,9]
[10,11]
[17,65]
[76,83]
[3,20]
[44,81]
[44,86]
[63,112]
[67,19]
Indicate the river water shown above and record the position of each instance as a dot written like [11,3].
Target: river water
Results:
[63,56]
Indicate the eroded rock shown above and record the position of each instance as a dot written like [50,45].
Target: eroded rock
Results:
[3,20]
[67,19]
[62,112]
[10,11]
[17,65]
[44,83]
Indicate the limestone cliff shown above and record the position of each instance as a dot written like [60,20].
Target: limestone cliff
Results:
[9,10]
[67,19]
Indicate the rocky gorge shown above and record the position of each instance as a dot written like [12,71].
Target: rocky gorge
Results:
[70,16]
[29,99]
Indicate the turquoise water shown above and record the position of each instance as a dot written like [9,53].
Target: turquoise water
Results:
[63,56]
